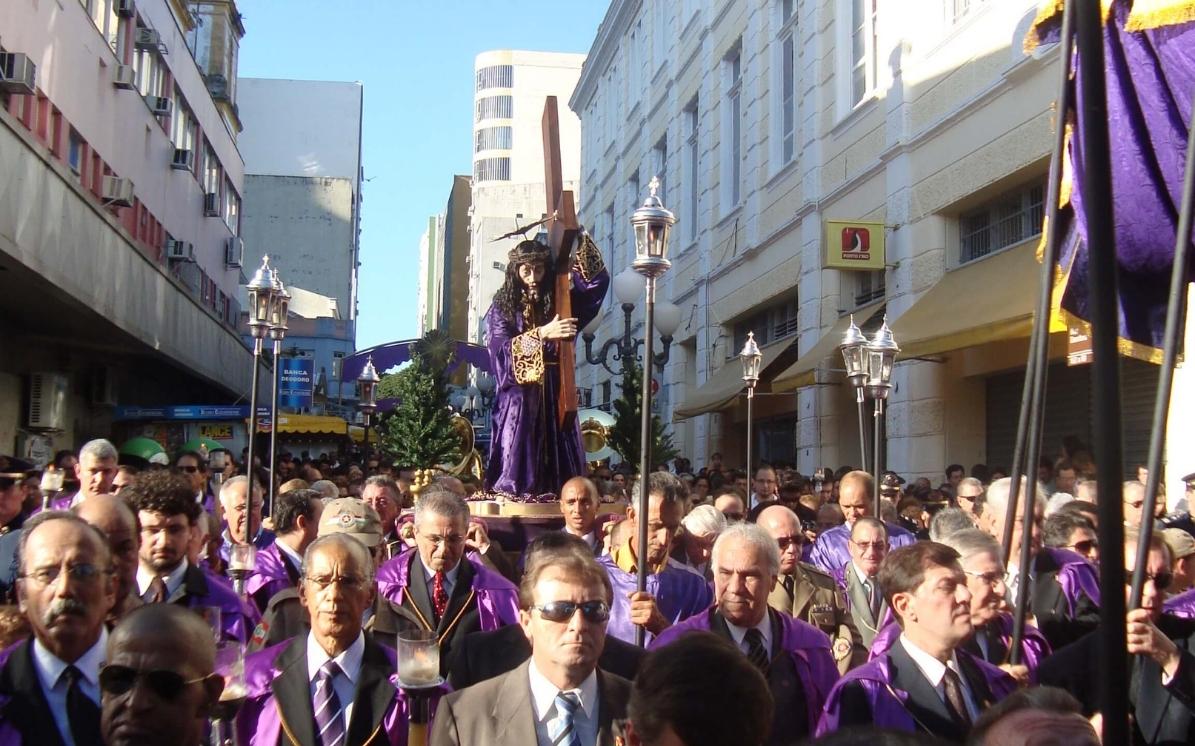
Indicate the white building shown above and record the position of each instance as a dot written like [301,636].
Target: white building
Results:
[766,119]
[508,163]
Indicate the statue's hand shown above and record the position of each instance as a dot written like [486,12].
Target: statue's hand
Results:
[559,328]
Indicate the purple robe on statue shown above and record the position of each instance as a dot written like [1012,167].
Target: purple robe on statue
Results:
[830,551]
[808,646]
[497,597]
[528,452]
[679,592]
[1034,647]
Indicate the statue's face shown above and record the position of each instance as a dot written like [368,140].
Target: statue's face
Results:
[531,273]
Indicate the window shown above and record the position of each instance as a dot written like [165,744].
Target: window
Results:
[732,164]
[493,138]
[182,123]
[607,403]
[212,172]
[103,15]
[659,34]
[770,324]
[491,169]
[634,60]
[958,10]
[494,107]
[863,48]
[495,76]
[787,79]
[1011,218]
[659,167]
[869,286]
[692,164]
[232,208]
[74,151]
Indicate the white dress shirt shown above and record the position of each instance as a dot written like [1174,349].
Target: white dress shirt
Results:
[935,671]
[49,673]
[345,683]
[590,538]
[740,634]
[173,579]
[543,702]
[287,553]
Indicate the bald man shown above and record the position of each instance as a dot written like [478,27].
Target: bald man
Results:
[174,646]
[116,520]
[579,501]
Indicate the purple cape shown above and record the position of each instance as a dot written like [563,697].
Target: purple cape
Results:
[830,550]
[680,593]
[497,597]
[1076,575]
[528,453]
[808,646]
[269,573]
[238,617]
[1182,605]
[1034,647]
[887,702]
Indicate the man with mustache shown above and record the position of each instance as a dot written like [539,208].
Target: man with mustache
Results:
[50,684]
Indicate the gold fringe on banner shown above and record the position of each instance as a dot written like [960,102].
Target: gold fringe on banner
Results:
[1150,14]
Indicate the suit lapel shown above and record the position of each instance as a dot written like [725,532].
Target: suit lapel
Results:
[374,694]
[28,709]
[609,710]
[924,704]
[460,595]
[417,591]
[513,715]
[292,692]
[860,607]
[194,585]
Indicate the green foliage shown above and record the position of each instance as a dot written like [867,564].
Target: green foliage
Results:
[628,412]
[419,432]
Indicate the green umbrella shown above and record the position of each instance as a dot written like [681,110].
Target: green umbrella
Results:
[199,444]
[142,448]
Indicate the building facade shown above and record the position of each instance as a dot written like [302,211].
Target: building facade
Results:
[926,120]
[120,218]
[303,177]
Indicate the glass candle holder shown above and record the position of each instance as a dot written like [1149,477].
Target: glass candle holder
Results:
[242,558]
[418,658]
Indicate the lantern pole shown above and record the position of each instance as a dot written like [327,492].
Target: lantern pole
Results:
[261,301]
[853,349]
[881,357]
[278,317]
[750,357]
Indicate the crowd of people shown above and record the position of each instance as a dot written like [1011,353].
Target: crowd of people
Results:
[778,608]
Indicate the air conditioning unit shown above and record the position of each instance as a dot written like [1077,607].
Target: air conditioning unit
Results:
[47,401]
[184,160]
[125,78]
[211,205]
[234,252]
[18,74]
[159,105]
[217,86]
[118,192]
[126,8]
[102,387]
[147,38]
[180,251]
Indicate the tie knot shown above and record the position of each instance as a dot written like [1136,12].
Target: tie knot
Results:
[754,636]
[70,675]
[567,702]
[329,670]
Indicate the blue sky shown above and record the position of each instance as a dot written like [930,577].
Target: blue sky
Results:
[415,58]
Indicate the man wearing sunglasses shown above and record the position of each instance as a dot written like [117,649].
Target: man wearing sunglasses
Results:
[158,685]
[332,685]
[559,696]
[193,466]
[65,589]
[793,656]
[1070,530]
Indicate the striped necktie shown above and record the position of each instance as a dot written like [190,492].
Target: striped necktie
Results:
[756,652]
[563,731]
[329,716]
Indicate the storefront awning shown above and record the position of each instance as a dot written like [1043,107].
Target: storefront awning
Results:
[358,434]
[723,388]
[803,372]
[987,300]
[312,424]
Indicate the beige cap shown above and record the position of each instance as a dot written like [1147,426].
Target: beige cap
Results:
[348,515]
[1181,543]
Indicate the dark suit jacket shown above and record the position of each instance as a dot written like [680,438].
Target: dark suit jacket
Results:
[27,710]
[1048,604]
[484,655]
[373,697]
[460,617]
[498,712]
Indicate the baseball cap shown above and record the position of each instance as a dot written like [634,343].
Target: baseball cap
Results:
[348,515]
[1181,543]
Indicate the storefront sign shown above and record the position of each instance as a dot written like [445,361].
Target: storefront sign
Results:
[854,245]
[1078,347]
[296,380]
[216,431]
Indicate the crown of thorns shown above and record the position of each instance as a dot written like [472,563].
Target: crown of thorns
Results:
[529,251]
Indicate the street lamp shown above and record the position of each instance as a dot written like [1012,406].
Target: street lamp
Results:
[261,309]
[881,355]
[279,308]
[652,224]
[853,344]
[368,402]
[627,286]
[751,359]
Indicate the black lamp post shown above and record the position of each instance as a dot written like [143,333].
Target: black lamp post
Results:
[279,308]
[751,359]
[367,384]
[627,286]
[853,344]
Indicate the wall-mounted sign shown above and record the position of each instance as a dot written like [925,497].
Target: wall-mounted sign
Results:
[296,380]
[851,244]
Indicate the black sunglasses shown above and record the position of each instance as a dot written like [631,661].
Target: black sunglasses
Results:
[562,611]
[168,685]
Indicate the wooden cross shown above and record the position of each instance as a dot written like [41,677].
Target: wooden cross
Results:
[562,235]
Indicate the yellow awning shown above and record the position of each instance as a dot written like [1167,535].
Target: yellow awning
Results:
[312,423]
[803,372]
[724,386]
[358,434]
[986,300]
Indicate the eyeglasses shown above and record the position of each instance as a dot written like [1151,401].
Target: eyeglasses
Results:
[971,498]
[562,611]
[167,685]
[1084,547]
[991,578]
[83,572]
[348,582]
[867,545]
[452,539]
[1161,581]
[789,541]
[733,516]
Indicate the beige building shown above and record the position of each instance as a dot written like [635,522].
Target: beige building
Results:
[765,120]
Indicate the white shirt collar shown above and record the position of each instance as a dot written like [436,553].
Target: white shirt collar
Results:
[764,627]
[589,538]
[50,667]
[543,693]
[173,579]
[862,576]
[449,575]
[931,667]
[295,558]
[349,660]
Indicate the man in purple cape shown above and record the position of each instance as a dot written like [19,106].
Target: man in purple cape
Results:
[856,498]
[238,512]
[296,522]
[95,470]
[436,587]
[793,656]
[925,683]
[529,453]
[674,592]
[335,655]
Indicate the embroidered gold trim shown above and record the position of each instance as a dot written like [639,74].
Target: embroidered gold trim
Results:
[589,259]
[527,357]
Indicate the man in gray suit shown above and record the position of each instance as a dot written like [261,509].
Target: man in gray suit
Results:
[559,696]
[860,577]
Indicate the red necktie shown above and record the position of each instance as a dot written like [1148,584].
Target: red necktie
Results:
[439,595]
